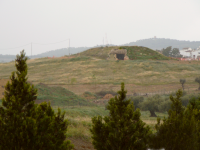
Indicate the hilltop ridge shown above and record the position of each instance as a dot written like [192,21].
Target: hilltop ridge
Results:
[160,43]
[133,53]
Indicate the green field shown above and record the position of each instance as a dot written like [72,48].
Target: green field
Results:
[60,96]
[80,120]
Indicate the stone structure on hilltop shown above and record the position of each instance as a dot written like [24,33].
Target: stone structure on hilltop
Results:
[118,54]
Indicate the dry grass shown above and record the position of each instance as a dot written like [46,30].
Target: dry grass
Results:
[79,134]
[56,71]
[79,126]
[139,76]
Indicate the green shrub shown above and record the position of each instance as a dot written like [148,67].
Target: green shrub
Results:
[136,101]
[103,93]
[185,99]
[165,106]
[178,131]
[152,104]
[87,93]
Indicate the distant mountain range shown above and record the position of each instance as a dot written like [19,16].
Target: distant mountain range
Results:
[56,53]
[160,43]
[152,43]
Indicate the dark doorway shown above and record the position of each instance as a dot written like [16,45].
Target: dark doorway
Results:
[120,56]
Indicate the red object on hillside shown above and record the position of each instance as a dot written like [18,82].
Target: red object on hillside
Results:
[187,59]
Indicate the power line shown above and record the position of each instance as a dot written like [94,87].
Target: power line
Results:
[15,47]
[33,43]
[51,43]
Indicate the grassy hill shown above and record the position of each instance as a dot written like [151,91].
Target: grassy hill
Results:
[82,69]
[133,52]
[92,72]
[144,53]
[99,52]
[59,96]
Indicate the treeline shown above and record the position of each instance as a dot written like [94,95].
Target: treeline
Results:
[169,52]
[123,128]
[162,103]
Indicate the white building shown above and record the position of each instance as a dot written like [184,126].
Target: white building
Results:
[190,53]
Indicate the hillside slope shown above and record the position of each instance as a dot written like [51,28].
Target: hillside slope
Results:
[139,52]
[86,70]
[133,52]
[59,96]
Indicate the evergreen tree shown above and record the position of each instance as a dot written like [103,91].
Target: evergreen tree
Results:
[25,125]
[193,109]
[122,129]
[178,131]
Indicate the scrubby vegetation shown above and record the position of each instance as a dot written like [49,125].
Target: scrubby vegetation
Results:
[104,92]
[180,130]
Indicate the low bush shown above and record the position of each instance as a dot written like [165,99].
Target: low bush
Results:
[185,99]
[136,101]
[103,93]
[87,93]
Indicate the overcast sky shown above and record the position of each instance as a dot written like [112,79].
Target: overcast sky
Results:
[86,22]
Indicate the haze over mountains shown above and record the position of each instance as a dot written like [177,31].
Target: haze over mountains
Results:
[152,43]
[160,43]
[55,53]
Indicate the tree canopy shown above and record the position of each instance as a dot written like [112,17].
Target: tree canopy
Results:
[178,131]
[168,51]
[152,104]
[24,124]
[122,129]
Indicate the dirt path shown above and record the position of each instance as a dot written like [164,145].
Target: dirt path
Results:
[80,144]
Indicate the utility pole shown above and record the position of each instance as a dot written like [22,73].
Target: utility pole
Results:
[106,42]
[31,49]
[69,47]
